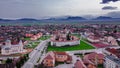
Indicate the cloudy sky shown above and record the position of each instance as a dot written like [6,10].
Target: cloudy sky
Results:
[52,8]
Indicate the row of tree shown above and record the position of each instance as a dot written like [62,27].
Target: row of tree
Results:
[23,59]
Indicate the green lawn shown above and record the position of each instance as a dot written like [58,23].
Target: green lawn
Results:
[27,38]
[83,46]
[32,44]
[44,37]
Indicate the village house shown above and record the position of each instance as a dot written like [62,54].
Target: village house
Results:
[93,59]
[112,60]
[53,57]
[35,37]
[93,39]
[79,64]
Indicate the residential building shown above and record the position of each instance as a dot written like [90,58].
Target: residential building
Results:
[111,62]
[93,59]
[53,57]
[79,64]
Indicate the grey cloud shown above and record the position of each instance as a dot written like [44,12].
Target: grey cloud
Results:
[107,1]
[109,8]
[47,8]
[115,14]
[29,8]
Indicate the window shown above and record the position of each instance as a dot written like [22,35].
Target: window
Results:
[116,66]
[46,60]
[51,62]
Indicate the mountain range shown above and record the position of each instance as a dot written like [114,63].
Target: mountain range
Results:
[68,18]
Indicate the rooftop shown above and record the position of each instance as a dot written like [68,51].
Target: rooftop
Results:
[49,57]
[60,53]
[79,64]
[114,51]
[90,58]
[113,59]
[100,45]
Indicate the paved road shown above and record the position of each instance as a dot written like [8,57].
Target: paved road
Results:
[35,55]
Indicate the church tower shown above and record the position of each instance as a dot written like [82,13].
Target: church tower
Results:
[8,43]
[21,45]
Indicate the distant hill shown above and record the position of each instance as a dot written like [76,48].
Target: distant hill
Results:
[5,20]
[74,18]
[27,19]
[67,19]
[104,18]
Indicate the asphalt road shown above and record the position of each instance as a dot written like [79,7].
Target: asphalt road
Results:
[35,55]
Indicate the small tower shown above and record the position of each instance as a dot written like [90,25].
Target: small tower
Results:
[21,46]
[20,43]
[8,42]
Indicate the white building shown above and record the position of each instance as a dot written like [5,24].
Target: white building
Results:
[63,43]
[112,40]
[111,62]
[9,49]
[93,40]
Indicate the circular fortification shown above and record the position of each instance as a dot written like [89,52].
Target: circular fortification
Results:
[59,40]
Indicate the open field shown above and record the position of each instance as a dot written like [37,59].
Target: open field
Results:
[81,46]
[28,23]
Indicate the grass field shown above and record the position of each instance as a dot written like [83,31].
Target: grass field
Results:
[44,37]
[82,46]
[32,44]
[27,38]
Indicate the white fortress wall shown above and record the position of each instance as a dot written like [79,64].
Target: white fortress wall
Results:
[63,43]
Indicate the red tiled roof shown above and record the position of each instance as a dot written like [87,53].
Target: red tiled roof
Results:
[93,55]
[49,57]
[69,58]
[86,61]
[61,53]
[114,51]
[89,57]
[100,45]
[78,64]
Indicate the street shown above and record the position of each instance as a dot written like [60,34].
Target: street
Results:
[35,55]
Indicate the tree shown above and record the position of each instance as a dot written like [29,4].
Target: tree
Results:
[68,37]
[8,61]
[18,65]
